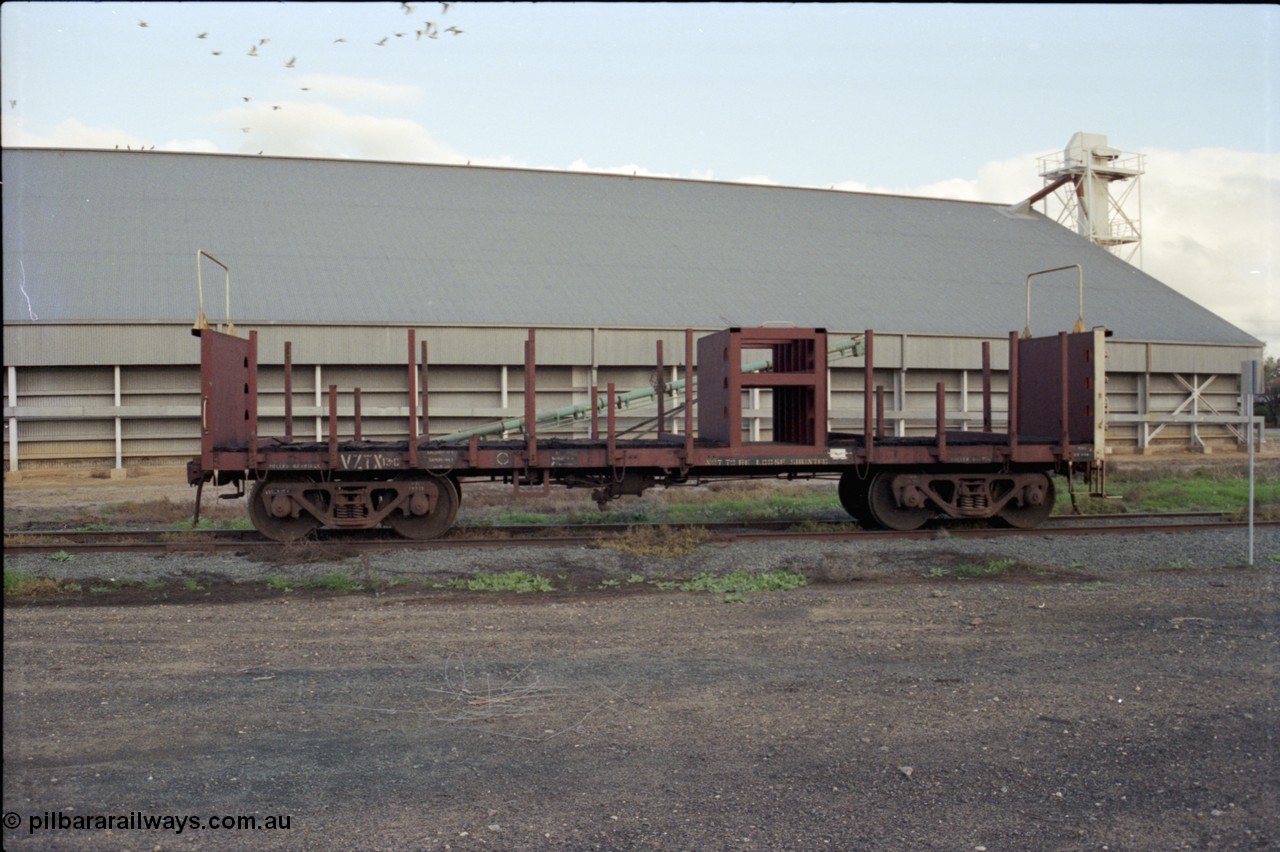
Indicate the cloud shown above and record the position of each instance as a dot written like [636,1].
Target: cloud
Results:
[1209,220]
[580,165]
[360,89]
[319,130]
[70,134]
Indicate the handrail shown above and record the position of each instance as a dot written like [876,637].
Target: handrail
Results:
[201,321]
[1079,326]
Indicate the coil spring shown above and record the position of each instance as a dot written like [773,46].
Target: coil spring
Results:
[350,511]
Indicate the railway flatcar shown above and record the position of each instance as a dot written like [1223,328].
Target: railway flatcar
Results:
[414,486]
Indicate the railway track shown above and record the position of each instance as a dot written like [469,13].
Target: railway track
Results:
[550,535]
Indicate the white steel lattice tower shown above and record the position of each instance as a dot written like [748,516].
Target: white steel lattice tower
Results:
[1097,187]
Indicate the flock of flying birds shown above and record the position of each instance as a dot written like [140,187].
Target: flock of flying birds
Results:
[430,30]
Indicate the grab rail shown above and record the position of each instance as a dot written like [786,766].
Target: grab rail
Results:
[1079,326]
[201,321]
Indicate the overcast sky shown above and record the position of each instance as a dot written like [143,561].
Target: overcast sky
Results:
[949,101]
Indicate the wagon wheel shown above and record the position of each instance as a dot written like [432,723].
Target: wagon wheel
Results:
[286,528]
[429,513]
[886,512]
[853,497]
[1028,515]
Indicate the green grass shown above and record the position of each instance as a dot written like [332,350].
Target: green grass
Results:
[1208,488]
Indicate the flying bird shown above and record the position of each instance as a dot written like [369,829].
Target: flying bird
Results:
[292,60]
[13,104]
[277,107]
[244,130]
[264,41]
[253,51]
[454,30]
[408,9]
[246,98]
[142,23]
[339,40]
[216,52]
[444,7]
[381,43]
[202,35]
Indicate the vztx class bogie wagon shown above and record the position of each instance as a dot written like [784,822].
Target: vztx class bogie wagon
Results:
[1054,422]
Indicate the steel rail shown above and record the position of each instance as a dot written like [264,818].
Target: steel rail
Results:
[588,536]
[214,533]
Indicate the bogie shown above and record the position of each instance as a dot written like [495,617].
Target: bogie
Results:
[906,499]
[417,505]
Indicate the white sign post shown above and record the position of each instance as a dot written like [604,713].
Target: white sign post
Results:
[1250,384]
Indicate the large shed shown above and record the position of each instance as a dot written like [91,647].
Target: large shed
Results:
[342,257]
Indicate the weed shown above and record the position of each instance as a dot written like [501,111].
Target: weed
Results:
[986,569]
[279,584]
[37,587]
[815,526]
[14,581]
[61,556]
[337,582]
[101,590]
[153,584]
[659,541]
[192,585]
[741,581]
[511,581]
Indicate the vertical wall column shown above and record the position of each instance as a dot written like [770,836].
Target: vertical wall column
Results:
[319,402]
[13,421]
[119,435]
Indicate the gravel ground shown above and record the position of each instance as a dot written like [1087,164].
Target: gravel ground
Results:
[1104,693]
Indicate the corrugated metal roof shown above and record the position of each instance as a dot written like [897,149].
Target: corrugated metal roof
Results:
[106,235]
